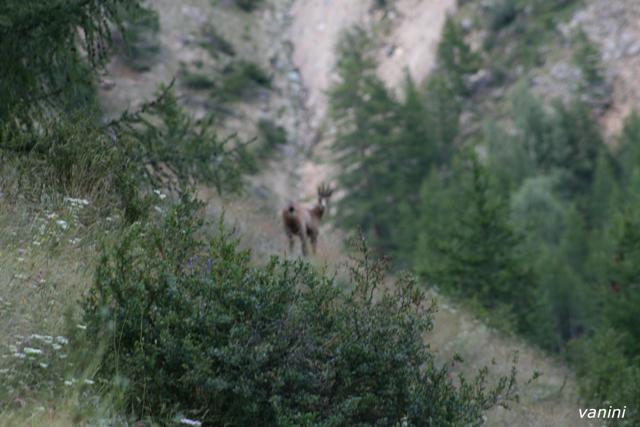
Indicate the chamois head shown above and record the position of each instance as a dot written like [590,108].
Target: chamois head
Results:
[324,191]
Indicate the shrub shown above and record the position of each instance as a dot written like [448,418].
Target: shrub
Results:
[198,81]
[140,29]
[273,136]
[195,329]
[248,5]
[214,42]
[239,78]
[502,14]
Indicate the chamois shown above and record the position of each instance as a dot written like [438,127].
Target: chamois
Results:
[305,222]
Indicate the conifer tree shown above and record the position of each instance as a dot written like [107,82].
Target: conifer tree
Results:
[364,112]
[49,48]
[479,255]
[455,57]
[623,300]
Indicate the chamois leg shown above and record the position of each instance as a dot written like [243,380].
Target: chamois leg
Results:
[291,242]
[303,241]
[313,237]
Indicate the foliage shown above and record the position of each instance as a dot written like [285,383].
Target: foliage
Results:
[215,42]
[159,145]
[42,64]
[608,376]
[238,78]
[502,13]
[565,140]
[248,5]
[363,110]
[587,57]
[273,136]
[479,253]
[377,132]
[455,58]
[140,29]
[194,328]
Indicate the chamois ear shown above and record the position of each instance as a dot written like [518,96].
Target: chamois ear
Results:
[324,191]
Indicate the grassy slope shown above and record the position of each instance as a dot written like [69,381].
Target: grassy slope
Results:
[36,290]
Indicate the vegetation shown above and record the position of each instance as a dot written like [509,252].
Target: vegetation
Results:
[528,218]
[531,221]
[278,344]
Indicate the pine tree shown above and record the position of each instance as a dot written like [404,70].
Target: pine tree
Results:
[479,254]
[364,111]
[621,311]
[44,61]
[455,57]
[578,144]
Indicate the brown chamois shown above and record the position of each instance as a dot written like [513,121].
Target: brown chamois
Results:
[305,222]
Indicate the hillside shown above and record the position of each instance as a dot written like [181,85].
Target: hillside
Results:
[283,57]
[305,58]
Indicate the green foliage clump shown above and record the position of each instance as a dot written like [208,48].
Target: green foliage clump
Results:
[194,328]
[383,142]
[42,64]
[198,81]
[160,145]
[215,42]
[455,58]
[587,58]
[239,78]
[248,5]
[479,255]
[140,29]
[502,14]
[273,136]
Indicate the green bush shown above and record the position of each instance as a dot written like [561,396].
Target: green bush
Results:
[273,136]
[248,5]
[195,329]
[198,81]
[238,78]
[140,28]
[214,42]
[502,14]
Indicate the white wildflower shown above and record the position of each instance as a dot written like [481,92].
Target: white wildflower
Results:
[20,259]
[4,371]
[37,243]
[160,194]
[89,382]
[56,347]
[62,223]
[68,383]
[62,340]
[52,215]
[46,338]
[74,241]
[158,209]
[21,276]
[76,202]
[19,355]
[189,422]
[44,365]
[31,350]
[63,356]
[83,327]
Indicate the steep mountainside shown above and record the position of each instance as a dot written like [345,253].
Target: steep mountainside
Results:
[293,41]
